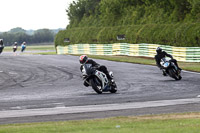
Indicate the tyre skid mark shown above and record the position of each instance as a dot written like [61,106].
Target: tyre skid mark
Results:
[39,77]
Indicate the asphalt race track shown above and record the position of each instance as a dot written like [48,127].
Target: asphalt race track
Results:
[35,88]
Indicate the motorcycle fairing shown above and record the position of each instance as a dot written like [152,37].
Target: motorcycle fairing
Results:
[102,78]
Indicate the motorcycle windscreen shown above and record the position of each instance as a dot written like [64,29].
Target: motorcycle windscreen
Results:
[88,69]
[166,64]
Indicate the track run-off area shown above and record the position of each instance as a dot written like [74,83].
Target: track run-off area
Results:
[35,88]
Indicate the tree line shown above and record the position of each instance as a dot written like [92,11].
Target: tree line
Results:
[171,22]
[20,35]
[87,13]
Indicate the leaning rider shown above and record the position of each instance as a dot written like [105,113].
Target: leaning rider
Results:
[161,54]
[1,45]
[84,60]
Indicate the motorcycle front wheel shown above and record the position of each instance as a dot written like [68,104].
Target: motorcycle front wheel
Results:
[96,85]
[174,74]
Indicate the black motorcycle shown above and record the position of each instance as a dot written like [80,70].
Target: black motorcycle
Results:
[98,80]
[171,69]
[1,48]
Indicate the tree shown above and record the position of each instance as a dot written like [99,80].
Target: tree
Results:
[17,30]
[77,10]
[18,35]
[43,35]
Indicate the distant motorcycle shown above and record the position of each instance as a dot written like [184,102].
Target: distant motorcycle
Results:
[98,80]
[1,48]
[23,48]
[171,69]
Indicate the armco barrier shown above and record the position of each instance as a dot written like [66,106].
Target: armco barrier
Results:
[186,54]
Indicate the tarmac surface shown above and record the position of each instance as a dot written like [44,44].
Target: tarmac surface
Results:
[37,88]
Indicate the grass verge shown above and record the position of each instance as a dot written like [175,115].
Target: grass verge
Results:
[47,53]
[31,48]
[190,66]
[171,123]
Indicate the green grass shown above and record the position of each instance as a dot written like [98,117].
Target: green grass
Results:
[45,47]
[130,59]
[47,53]
[148,61]
[171,123]
[32,48]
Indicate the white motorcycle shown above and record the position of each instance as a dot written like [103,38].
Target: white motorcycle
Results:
[170,69]
[98,80]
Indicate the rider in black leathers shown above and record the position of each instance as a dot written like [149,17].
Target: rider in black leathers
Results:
[1,46]
[84,60]
[161,54]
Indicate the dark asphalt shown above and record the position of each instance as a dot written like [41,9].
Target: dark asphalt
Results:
[48,81]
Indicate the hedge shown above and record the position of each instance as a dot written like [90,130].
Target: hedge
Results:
[181,35]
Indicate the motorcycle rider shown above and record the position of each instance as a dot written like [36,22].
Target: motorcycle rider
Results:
[15,47]
[23,46]
[84,60]
[161,54]
[1,46]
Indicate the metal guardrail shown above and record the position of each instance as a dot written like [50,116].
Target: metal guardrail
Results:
[186,54]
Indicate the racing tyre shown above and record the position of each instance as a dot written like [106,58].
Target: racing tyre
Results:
[173,74]
[96,85]
[113,88]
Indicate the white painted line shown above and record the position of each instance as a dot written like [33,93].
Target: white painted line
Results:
[191,72]
[59,105]
[18,107]
[94,108]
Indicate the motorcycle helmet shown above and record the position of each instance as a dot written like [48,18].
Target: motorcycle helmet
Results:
[159,50]
[83,59]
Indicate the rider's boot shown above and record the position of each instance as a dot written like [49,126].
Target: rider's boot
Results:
[110,79]
[85,84]
[164,73]
[178,66]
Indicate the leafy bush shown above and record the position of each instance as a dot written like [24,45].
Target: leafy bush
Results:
[171,22]
[171,34]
